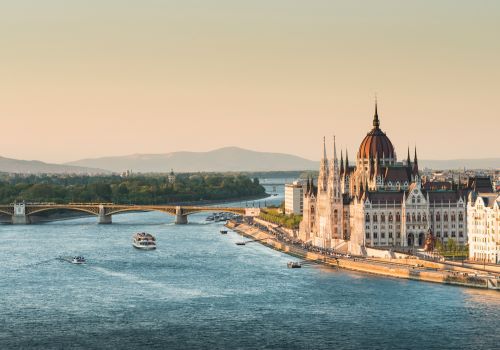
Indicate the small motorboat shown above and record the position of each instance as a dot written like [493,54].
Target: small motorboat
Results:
[78,260]
[240,243]
[223,232]
[294,265]
[210,218]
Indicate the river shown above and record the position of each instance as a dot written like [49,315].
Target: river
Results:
[199,290]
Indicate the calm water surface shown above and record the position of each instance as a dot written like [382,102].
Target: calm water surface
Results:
[199,290]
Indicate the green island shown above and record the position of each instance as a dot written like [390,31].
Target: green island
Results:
[135,189]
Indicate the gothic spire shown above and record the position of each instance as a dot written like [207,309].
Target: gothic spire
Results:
[346,161]
[376,121]
[415,163]
[408,160]
[341,163]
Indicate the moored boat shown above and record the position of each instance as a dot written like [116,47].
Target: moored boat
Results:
[223,232]
[78,260]
[294,265]
[144,241]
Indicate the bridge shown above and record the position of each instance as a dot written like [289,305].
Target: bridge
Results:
[27,213]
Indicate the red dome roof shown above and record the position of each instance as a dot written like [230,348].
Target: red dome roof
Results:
[376,143]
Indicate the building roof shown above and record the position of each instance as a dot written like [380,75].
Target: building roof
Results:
[480,184]
[489,199]
[399,173]
[376,144]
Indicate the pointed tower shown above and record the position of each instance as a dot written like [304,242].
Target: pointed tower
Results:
[341,163]
[346,161]
[323,171]
[408,160]
[415,164]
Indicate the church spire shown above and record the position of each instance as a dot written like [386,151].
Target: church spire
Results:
[408,160]
[415,163]
[376,122]
[341,163]
[346,161]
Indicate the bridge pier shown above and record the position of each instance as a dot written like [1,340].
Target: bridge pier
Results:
[180,219]
[20,217]
[103,218]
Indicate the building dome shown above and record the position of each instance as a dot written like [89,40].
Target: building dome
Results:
[376,144]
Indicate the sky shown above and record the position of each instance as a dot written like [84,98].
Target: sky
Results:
[90,78]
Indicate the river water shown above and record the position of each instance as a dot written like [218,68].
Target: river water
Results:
[199,290]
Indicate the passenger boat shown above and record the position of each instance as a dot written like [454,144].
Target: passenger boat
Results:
[78,260]
[223,232]
[144,241]
[293,265]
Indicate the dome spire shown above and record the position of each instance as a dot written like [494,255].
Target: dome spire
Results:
[376,122]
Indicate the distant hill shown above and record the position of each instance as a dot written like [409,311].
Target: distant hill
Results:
[219,160]
[10,165]
[485,163]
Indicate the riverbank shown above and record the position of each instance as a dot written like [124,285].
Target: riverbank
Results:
[414,269]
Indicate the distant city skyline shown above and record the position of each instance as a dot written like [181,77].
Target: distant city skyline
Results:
[91,78]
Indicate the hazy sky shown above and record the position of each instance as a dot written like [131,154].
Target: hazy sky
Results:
[101,77]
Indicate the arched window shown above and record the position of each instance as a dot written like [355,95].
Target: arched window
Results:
[374,217]
[453,217]
[408,218]
[460,216]
[390,217]
[419,217]
[445,217]
[398,217]
[336,215]
[413,218]
[382,217]
[367,218]
[438,216]
[424,217]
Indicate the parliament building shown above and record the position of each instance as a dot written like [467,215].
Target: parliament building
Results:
[379,201]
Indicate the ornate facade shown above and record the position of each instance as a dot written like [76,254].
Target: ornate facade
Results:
[379,202]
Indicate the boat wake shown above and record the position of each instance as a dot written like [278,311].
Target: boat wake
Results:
[167,290]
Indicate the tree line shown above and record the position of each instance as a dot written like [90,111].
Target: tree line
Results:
[137,189]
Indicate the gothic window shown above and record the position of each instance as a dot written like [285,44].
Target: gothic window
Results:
[460,216]
[336,215]
[367,218]
[413,200]
[367,235]
[424,217]
[390,217]
[413,218]
[398,217]
[409,218]
[445,217]
[390,234]
[438,216]
[382,217]
[382,235]
[419,217]
[374,217]
[375,235]
[453,217]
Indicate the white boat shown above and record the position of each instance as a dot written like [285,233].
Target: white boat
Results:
[144,241]
[78,260]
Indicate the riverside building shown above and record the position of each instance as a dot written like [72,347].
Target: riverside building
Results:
[483,222]
[379,201]
[294,198]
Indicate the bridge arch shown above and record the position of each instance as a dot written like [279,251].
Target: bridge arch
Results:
[139,209]
[47,209]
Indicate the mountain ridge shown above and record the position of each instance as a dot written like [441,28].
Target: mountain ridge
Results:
[240,159]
